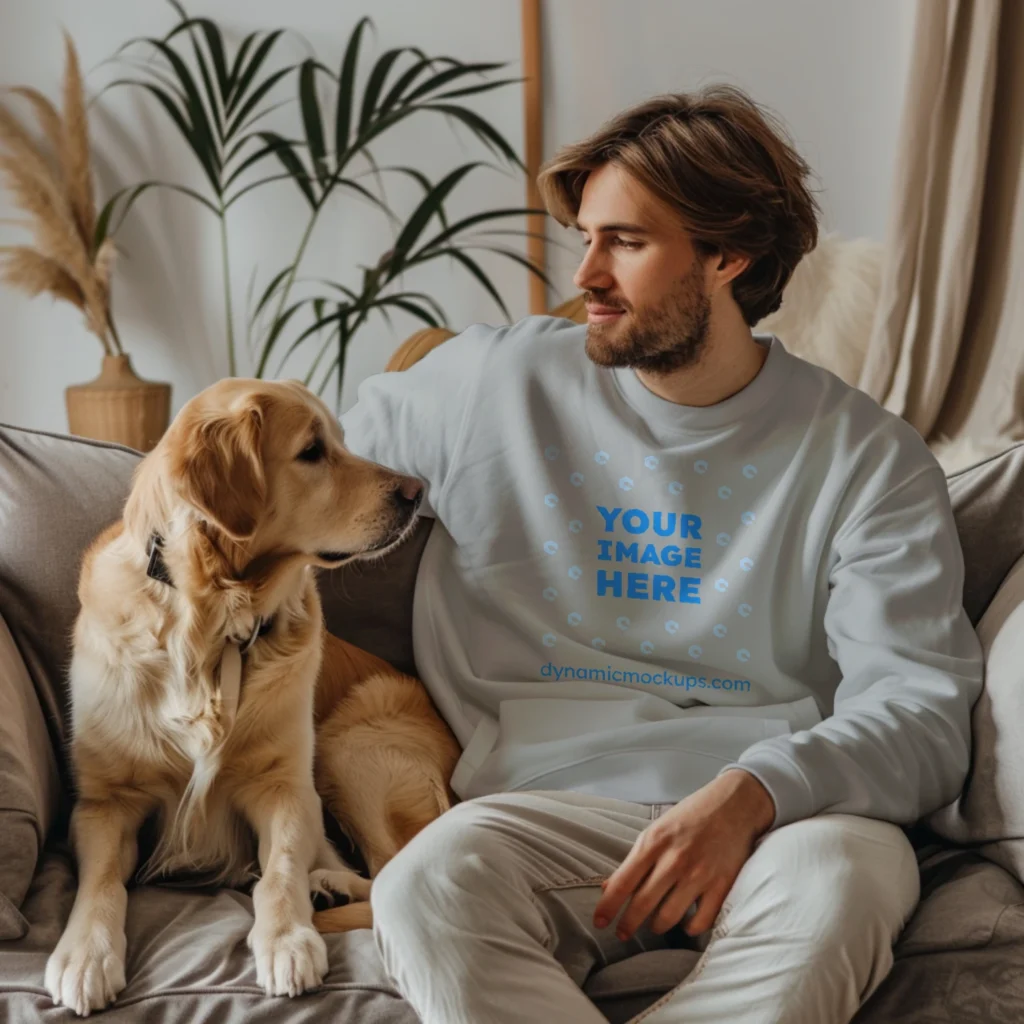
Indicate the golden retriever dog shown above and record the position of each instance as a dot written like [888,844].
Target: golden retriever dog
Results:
[202,681]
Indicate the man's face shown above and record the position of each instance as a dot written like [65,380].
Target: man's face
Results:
[647,298]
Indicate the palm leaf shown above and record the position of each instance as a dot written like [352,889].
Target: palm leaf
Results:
[214,43]
[201,133]
[268,292]
[442,78]
[409,307]
[212,96]
[345,109]
[237,64]
[474,268]
[484,131]
[375,83]
[473,90]
[428,207]
[316,362]
[259,183]
[133,192]
[312,120]
[397,92]
[251,102]
[516,257]
[318,325]
[279,324]
[477,218]
[282,149]
[181,120]
[257,156]
[244,78]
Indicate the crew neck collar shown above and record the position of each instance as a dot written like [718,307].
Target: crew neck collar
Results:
[735,408]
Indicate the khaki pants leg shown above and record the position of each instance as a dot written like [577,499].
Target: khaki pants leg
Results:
[487,916]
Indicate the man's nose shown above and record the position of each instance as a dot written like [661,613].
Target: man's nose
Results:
[593,275]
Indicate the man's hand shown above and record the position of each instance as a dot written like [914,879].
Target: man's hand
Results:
[691,853]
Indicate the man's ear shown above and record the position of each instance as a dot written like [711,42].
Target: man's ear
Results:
[728,266]
[220,469]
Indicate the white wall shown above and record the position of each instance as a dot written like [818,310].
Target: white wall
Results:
[834,70]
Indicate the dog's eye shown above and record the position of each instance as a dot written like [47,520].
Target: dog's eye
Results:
[314,453]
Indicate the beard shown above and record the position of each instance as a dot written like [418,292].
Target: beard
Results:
[660,340]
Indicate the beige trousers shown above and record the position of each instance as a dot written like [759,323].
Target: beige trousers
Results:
[486,917]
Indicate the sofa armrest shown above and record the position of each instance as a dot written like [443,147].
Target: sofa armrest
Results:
[29,785]
[417,345]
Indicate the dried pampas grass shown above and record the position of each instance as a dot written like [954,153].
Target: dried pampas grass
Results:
[53,187]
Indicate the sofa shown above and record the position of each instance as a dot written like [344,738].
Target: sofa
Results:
[960,959]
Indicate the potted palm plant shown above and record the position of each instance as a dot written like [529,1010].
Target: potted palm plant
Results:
[215,96]
[71,258]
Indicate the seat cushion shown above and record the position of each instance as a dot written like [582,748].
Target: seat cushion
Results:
[188,961]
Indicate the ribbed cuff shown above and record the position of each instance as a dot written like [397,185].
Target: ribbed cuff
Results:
[785,783]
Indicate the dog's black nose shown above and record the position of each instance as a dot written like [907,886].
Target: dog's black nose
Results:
[409,491]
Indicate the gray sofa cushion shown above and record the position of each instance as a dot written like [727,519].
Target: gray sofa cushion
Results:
[988,501]
[990,810]
[188,961]
[56,494]
[29,786]
[370,603]
[961,957]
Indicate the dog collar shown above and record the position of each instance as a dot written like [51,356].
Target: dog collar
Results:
[157,570]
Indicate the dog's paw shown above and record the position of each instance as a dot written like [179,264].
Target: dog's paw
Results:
[333,888]
[291,962]
[85,972]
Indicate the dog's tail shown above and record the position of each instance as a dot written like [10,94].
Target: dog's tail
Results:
[349,918]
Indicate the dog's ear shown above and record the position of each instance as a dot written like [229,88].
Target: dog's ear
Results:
[220,469]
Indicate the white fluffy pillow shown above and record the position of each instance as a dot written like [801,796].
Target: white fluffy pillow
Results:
[828,306]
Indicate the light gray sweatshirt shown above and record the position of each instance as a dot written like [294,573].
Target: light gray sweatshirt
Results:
[625,596]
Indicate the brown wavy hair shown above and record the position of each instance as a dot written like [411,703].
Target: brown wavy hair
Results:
[726,165]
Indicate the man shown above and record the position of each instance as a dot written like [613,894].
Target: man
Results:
[691,605]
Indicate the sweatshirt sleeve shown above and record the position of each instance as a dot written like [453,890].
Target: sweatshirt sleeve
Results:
[412,421]
[898,743]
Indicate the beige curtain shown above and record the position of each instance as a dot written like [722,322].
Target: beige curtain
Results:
[947,347]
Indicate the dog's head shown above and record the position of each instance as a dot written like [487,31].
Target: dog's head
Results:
[265,464]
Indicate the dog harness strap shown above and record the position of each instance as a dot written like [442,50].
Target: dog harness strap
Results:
[231,669]
[230,683]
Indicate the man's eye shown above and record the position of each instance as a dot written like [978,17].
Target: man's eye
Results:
[625,243]
[314,453]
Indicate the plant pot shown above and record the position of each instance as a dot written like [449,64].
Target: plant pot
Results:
[118,406]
